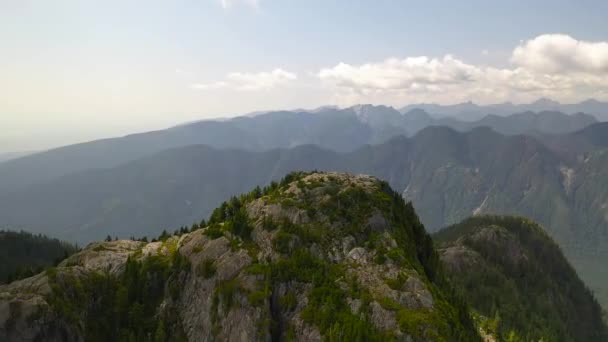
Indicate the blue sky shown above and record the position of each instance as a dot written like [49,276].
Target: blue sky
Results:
[78,70]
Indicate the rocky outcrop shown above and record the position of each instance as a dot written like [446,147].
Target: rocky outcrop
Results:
[318,256]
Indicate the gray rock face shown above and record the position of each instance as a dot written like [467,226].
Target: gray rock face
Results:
[105,256]
[260,286]
[27,316]
[459,258]
[198,315]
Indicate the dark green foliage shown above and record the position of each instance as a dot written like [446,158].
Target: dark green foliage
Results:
[536,294]
[214,231]
[348,209]
[283,242]
[121,308]
[226,291]
[24,254]
[327,307]
[163,235]
[233,216]
[397,283]
[127,307]
[224,296]
[206,269]
[288,302]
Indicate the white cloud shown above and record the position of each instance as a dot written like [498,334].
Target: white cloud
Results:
[251,81]
[559,53]
[556,66]
[396,73]
[226,4]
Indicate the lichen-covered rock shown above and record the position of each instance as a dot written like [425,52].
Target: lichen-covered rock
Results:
[109,256]
[319,256]
[25,315]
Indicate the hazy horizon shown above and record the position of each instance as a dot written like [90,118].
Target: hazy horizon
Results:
[75,71]
[8,153]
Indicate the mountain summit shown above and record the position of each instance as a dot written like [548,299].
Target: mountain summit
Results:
[318,256]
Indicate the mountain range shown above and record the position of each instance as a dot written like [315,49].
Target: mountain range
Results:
[544,165]
[318,257]
[341,130]
[448,175]
[470,111]
[313,257]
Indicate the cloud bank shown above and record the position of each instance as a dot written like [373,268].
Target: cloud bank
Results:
[552,65]
[558,53]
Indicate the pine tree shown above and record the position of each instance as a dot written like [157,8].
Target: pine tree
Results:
[161,334]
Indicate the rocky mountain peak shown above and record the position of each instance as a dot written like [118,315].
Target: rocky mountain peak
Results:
[316,256]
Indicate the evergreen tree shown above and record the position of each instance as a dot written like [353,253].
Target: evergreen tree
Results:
[160,335]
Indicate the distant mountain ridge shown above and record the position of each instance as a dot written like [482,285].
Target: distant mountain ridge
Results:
[470,111]
[448,175]
[194,178]
[5,156]
[341,130]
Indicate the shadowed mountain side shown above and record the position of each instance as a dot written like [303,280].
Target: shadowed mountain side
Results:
[448,175]
[517,278]
[340,130]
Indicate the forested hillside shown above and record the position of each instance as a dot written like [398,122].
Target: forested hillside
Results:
[448,175]
[514,275]
[24,254]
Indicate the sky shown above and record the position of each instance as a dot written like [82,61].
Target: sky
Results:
[73,70]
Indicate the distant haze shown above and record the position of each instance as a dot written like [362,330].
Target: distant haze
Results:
[40,137]
[74,71]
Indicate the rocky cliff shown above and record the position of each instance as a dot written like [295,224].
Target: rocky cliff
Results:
[318,256]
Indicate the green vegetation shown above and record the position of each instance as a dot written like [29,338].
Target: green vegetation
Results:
[327,307]
[206,269]
[516,276]
[347,211]
[127,307]
[24,254]
[121,308]
[507,174]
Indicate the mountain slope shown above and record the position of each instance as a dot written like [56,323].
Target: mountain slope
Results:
[510,271]
[544,122]
[316,257]
[341,130]
[446,174]
[170,189]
